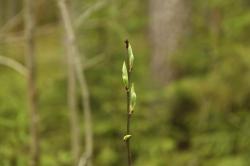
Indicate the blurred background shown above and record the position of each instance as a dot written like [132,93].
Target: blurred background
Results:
[192,78]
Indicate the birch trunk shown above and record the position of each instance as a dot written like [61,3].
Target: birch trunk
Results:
[167,26]
[86,159]
[31,77]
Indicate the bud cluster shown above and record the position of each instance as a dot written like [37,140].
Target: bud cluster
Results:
[127,68]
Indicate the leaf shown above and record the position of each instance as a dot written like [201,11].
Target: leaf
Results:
[130,57]
[132,98]
[125,74]
[126,137]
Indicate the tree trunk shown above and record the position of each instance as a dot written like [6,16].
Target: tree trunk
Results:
[86,159]
[72,102]
[31,76]
[167,26]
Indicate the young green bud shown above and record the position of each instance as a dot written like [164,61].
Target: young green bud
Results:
[125,75]
[126,137]
[132,98]
[130,57]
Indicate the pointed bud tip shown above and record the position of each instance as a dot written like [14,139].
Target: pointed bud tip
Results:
[126,137]
[127,43]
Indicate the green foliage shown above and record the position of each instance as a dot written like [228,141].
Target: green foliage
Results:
[211,92]
[201,118]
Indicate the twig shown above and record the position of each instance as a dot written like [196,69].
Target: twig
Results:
[131,96]
[89,11]
[15,20]
[70,36]
[18,37]
[87,111]
[12,22]
[128,111]
[13,64]
[31,77]
[72,102]
[93,61]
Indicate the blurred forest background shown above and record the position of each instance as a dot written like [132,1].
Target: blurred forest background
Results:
[60,82]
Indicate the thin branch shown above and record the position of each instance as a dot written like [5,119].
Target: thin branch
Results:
[72,103]
[70,37]
[19,37]
[93,61]
[128,118]
[131,95]
[87,110]
[89,11]
[29,28]
[12,22]
[13,64]
[15,20]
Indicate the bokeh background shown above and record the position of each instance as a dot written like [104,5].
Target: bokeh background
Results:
[192,78]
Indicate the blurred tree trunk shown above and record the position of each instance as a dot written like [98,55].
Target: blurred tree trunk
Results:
[72,102]
[167,26]
[31,76]
[86,159]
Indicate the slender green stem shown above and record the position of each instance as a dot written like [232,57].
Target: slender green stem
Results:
[128,126]
[129,155]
